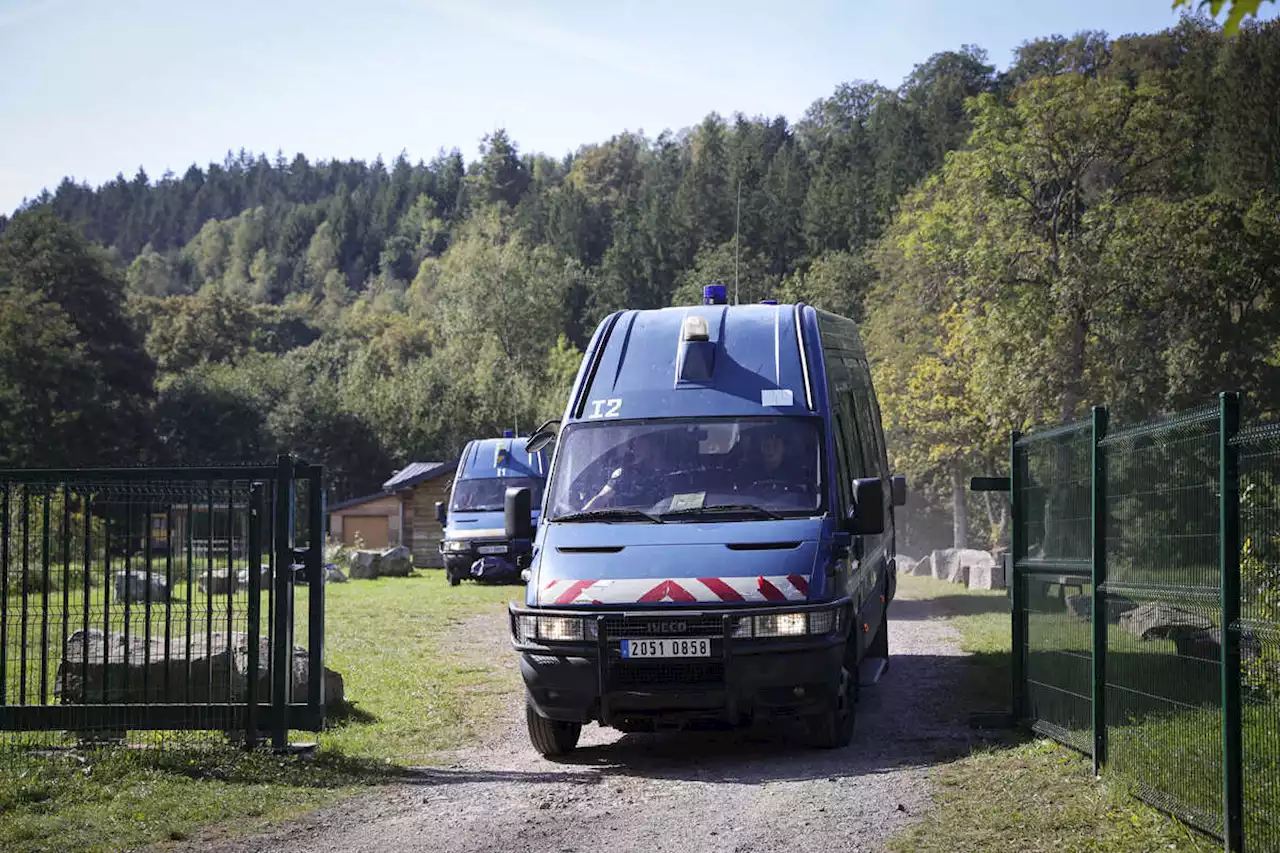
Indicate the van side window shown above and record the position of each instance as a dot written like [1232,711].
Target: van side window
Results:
[844,473]
[854,435]
[868,445]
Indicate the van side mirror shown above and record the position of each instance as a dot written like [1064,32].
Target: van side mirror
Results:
[441,515]
[542,436]
[898,488]
[517,508]
[866,516]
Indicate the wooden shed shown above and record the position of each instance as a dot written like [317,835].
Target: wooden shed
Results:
[418,486]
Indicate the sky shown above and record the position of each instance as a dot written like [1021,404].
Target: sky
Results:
[92,88]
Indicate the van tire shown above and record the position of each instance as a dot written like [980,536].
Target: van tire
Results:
[453,579]
[552,738]
[833,728]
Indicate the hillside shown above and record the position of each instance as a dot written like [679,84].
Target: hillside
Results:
[986,227]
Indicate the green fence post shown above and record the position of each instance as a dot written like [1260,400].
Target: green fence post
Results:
[1229,558]
[1099,572]
[281,632]
[1017,588]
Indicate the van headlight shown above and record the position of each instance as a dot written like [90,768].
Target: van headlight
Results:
[554,629]
[788,624]
[457,545]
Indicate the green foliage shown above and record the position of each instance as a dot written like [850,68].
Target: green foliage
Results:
[1238,10]
[74,381]
[983,226]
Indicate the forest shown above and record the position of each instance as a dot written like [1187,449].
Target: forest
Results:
[1098,222]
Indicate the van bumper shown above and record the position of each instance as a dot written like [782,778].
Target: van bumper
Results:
[741,680]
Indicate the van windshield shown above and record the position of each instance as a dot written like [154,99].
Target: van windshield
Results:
[487,494]
[689,469]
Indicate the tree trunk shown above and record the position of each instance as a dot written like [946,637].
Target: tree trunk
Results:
[959,512]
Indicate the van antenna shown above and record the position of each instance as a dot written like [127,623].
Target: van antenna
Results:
[737,221]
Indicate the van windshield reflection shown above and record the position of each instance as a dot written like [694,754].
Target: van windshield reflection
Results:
[487,494]
[726,469]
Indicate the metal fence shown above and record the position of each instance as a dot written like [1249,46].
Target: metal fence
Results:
[1132,550]
[161,600]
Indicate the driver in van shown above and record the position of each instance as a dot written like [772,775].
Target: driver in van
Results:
[637,482]
[772,463]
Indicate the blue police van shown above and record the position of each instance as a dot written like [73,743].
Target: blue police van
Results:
[717,533]
[475,544]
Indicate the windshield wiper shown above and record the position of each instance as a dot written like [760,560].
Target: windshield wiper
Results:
[718,509]
[619,514]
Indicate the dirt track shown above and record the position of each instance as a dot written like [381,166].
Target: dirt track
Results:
[746,792]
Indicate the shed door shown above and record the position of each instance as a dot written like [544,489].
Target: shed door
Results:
[373,530]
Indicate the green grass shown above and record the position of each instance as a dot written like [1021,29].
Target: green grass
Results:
[1028,796]
[417,688]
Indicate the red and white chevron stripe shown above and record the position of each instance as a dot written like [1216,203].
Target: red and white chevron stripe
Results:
[762,588]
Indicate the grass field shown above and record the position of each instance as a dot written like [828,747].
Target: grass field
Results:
[416,691]
[1028,795]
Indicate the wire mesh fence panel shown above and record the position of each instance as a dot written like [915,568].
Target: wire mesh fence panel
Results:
[1163,601]
[1052,489]
[135,601]
[1258,632]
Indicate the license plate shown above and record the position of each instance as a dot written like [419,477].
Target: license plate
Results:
[492,549]
[666,648]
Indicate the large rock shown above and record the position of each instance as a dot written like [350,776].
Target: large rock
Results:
[904,564]
[264,577]
[333,574]
[1081,606]
[220,582]
[394,562]
[137,587]
[1206,645]
[955,564]
[988,577]
[363,565]
[116,671]
[1157,620]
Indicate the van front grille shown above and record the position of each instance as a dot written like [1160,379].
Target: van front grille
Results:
[637,627]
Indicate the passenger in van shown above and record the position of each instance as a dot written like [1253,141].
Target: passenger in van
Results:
[637,482]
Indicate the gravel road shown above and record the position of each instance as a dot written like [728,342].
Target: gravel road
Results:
[745,792]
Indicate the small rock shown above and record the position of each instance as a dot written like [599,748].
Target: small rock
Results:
[901,807]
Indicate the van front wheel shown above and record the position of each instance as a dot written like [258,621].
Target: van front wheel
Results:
[552,738]
[833,728]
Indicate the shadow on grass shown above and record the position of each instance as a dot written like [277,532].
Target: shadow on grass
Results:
[347,713]
[326,769]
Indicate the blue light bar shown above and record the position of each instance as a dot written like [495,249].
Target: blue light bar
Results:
[768,302]
[506,433]
[714,294]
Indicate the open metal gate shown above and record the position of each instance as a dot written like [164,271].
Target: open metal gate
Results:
[162,599]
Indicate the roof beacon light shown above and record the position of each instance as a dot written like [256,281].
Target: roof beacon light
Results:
[714,294]
[695,328]
[508,433]
[768,302]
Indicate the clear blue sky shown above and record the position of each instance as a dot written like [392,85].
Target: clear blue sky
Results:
[89,88]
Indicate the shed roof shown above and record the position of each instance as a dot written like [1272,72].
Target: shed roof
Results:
[417,472]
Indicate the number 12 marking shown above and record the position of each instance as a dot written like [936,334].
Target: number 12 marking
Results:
[610,408]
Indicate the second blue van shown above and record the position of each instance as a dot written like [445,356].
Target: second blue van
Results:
[475,544]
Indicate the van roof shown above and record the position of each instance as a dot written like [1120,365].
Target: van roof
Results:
[750,364]
[486,458]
